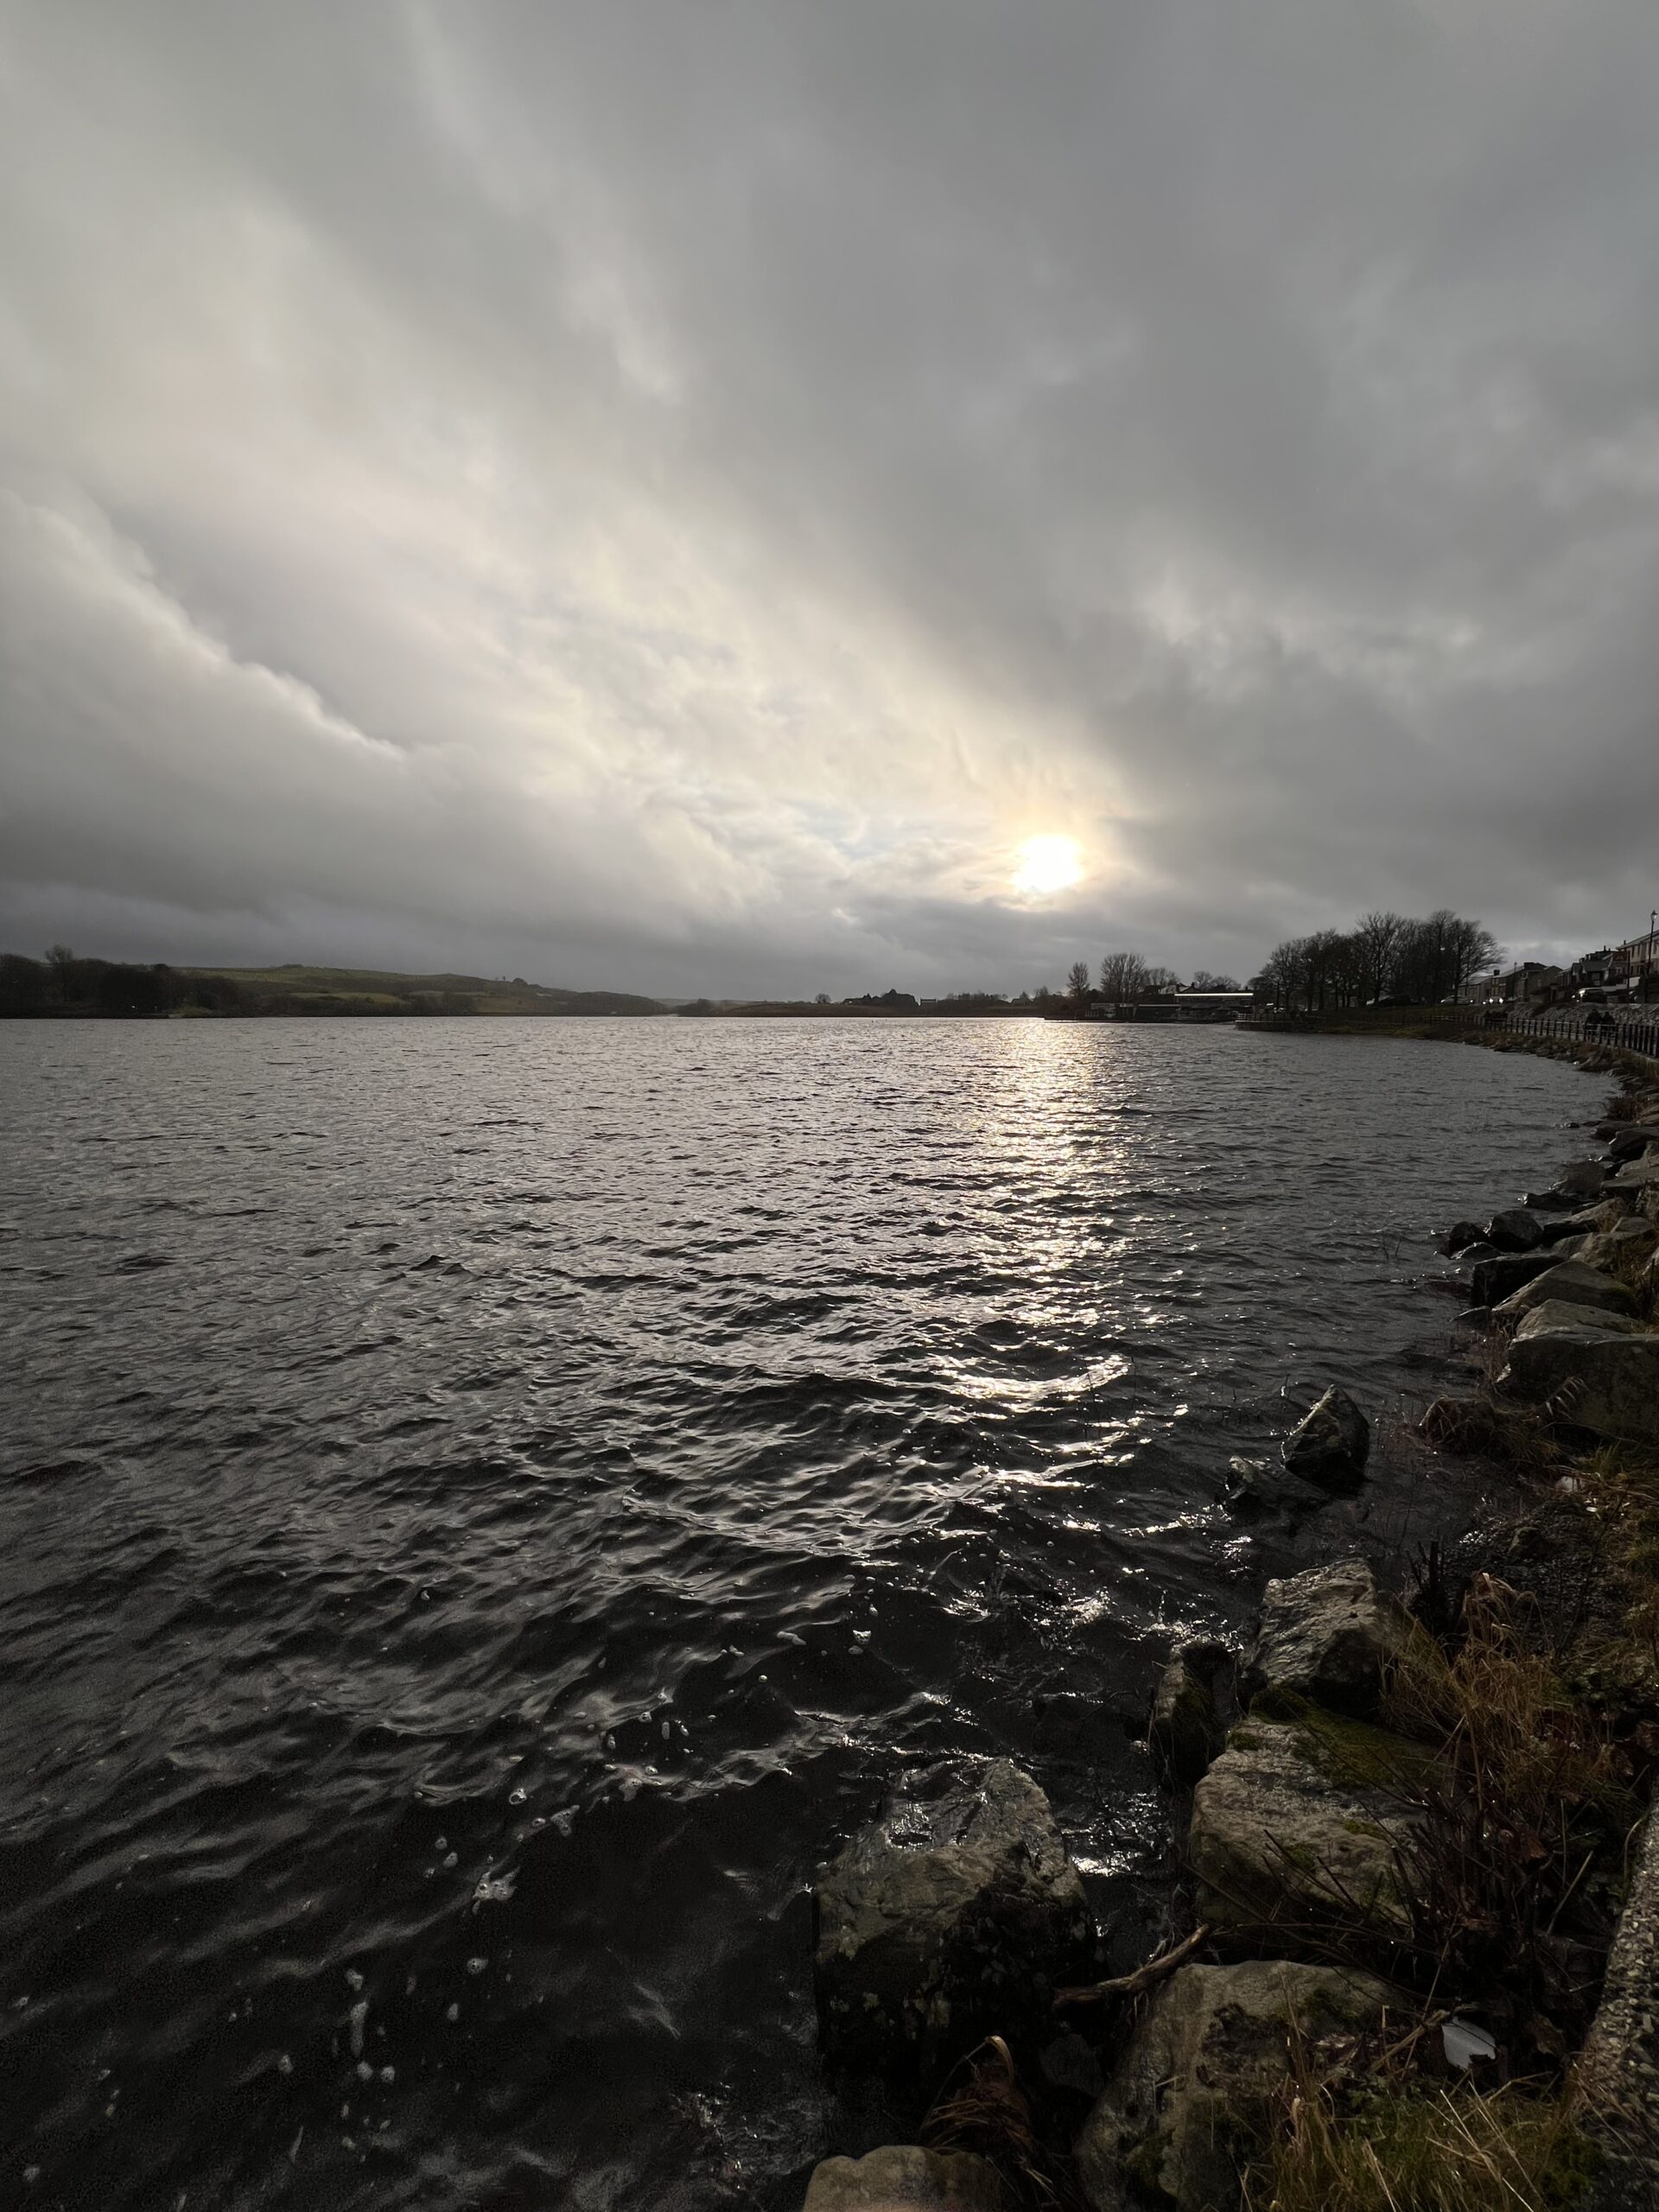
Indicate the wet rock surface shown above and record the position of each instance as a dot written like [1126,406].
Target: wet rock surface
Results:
[1327,1634]
[1182,2103]
[1331,1444]
[956,1914]
[1185,1728]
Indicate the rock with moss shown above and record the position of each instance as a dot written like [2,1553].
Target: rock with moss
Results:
[902,2176]
[1185,1728]
[1328,1634]
[1331,1445]
[1307,1820]
[957,1913]
[1603,1379]
[1188,2098]
[1572,1283]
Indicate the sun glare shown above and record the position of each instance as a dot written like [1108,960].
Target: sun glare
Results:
[1047,865]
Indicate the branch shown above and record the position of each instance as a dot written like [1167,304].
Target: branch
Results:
[1132,1984]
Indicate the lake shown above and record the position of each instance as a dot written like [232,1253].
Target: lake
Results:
[487,1506]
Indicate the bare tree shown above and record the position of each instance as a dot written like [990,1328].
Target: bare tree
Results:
[1202,980]
[62,961]
[1076,980]
[1377,939]
[1123,977]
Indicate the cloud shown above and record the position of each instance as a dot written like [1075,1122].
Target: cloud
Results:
[674,497]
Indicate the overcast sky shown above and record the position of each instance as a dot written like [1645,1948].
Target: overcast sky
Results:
[672,496]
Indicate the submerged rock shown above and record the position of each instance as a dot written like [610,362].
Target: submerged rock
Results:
[1305,1821]
[1461,1236]
[1328,1635]
[953,1914]
[1186,1730]
[1187,2097]
[1331,1445]
[1602,1378]
[901,2176]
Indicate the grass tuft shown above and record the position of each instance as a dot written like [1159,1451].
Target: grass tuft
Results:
[1418,2147]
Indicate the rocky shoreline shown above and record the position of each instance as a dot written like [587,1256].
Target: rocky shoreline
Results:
[1411,1829]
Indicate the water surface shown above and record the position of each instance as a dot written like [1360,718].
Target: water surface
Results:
[486,1506]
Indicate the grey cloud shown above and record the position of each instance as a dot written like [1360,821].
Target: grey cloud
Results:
[670,496]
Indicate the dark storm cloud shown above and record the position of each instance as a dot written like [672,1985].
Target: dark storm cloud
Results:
[675,495]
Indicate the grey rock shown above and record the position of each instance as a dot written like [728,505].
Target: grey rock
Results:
[1188,2095]
[1462,1234]
[1515,1231]
[1628,1240]
[1603,1379]
[1494,1280]
[1559,1228]
[1555,1314]
[1327,1634]
[1331,1445]
[955,1913]
[1569,1282]
[1306,1821]
[1583,1180]
[1186,1730]
[1618,2072]
[902,2176]
[1641,1175]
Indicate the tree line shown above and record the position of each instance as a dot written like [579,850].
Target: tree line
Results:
[1126,978]
[1384,956]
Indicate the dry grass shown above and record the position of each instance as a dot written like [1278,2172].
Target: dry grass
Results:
[1516,1873]
[1418,2147]
[983,2108]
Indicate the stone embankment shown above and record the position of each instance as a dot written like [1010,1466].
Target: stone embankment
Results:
[1365,1919]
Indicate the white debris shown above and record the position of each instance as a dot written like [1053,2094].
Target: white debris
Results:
[1464,2041]
[476,1966]
[359,2017]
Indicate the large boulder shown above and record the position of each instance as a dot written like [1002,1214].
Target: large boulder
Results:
[1186,2102]
[1641,1176]
[1559,1228]
[1570,1282]
[1515,1231]
[1628,1241]
[1307,1822]
[956,1914]
[900,2178]
[1555,1314]
[1461,1236]
[1327,1634]
[1603,1379]
[1331,1446]
[1185,1730]
[1495,1279]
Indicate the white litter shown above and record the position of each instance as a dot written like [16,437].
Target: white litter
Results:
[1464,2042]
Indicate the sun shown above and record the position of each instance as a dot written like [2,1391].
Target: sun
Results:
[1047,865]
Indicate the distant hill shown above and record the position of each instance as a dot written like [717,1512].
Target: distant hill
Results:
[373,990]
[66,985]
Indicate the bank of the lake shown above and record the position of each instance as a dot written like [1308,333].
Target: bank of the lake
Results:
[1409,1832]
